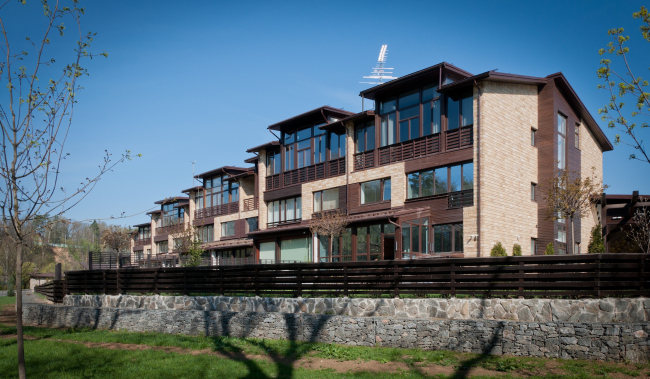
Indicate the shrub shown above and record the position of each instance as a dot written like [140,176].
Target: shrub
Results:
[549,249]
[10,289]
[498,250]
[516,250]
[596,244]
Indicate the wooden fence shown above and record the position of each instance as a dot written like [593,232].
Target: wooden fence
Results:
[54,290]
[587,275]
[110,261]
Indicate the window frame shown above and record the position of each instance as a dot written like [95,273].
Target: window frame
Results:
[454,227]
[225,226]
[318,197]
[225,192]
[248,224]
[382,188]
[533,192]
[561,141]
[533,136]
[283,211]
[363,129]
[423,227]
[463,167]
[576,136]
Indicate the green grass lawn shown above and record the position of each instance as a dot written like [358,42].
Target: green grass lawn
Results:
[4,300]
[46,358]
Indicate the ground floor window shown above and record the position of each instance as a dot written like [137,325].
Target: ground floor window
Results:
[246,252]
[448,238]
[205,233]
[295,250]
[267,252]
[359,243]
[415,237]
[139,255]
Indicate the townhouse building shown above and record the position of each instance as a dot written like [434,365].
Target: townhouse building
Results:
[446,163]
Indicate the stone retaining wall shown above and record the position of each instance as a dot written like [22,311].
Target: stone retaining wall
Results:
[631,310]
[567,340]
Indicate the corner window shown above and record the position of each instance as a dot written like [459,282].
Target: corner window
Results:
[337,146]
[460,112]
[365,135]
[218,191]
[273,161]
[375,191]
[198,199]
[326,200]
[303,148]
[228,229]
[172,215]
[284,211]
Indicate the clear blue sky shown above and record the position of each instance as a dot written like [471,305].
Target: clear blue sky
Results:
[201,80]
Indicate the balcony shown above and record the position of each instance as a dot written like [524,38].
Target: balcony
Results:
[270,225]
[415,148]
[142,242]
[460,199]
[251,204]
[317,171]
[176,227]
[217,210]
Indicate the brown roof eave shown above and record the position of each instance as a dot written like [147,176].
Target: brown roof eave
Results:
[221,170]
[172,200]
[574,100]
[314,113]
[143,224]
[252,160]
[491,76]
[263,146]
[336,126]
[197,188]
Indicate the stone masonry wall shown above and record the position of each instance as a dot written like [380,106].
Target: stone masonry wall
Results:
[602,341]
[539,310]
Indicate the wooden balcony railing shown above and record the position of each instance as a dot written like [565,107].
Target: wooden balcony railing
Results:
[415,148]
[217,210]
[461,199]
[251,204]
[318,171]
[171,229]
[142,242]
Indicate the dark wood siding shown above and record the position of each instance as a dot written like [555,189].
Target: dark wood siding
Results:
[240,228]
[343,198]
[283,193]
[355,206]
[437,160]
[438,212]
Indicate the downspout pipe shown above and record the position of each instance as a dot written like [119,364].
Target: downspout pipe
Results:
[478,170]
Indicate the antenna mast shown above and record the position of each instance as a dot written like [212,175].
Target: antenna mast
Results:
[379,72]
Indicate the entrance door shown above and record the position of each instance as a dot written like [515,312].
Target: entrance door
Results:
[389,246]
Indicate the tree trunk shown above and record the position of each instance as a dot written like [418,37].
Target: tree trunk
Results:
[570,248]
[330,251]
[19,310]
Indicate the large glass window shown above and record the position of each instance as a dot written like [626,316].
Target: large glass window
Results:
[205,233]
[388,129]
[337,146]
[267,252]
[286,210]
[448,238]
[415,237]
[144,232]
[365,135]
[228,229]
[326,200]
[375,191]
[295,250]
[162,247]
[561,141]
[273,162]
[409,115]
[251,224]
[468,176]
[460,112]
[198,199]
[303,148]
[218,191]
[172,215]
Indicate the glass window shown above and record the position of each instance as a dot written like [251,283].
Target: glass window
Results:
[318,131]
[532,191]
[273,162]
[198,199]
[468,176]
[337,146]
[326,200]
[413,185]
[441,180]
[365,136]
[227,229]
[287,210]
[409,98]
[234,192]
[251,224]
[388,129]
[467,111]
[415,237]
[532,137]
[429,92]
[561,236]
[533,247]
[375,191]
[387,106]
[362,244]
[304,134]
[453,112]
[267,252]
[561,152]
[295,250]
[162,247]
[561,124]
[577,136]
[288,158]
[454,178]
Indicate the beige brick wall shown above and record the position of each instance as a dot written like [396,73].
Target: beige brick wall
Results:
[261,222]
[470,247]
[591,161]
[508,165]
[246,188]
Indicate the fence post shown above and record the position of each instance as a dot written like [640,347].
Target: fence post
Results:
[521,279]
[642,275]
[345,281]
[597,288]
[256,281]
[57,271]
[221,280]
[453,280]
[104,281]
[184,279]
[299,280]
[90,260]
[396,277]
[119,290]
[155,281]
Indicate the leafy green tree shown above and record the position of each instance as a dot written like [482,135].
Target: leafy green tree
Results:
[498,250]
[516,250]
[621,83]
[96,235]
[596,242]
[549,249]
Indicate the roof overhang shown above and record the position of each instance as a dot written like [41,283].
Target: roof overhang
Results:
[264,146]
[221,245]
[230,170]
[197,188]
[252,160]
[313,116]
[143,224]
[428,75]
[339,126]
[173,200]
[491,76]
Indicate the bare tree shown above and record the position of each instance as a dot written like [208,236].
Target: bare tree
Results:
[622,84]
[639,232]
[35,117]
[188,243]
[329,223]
[570,198]
[117,238]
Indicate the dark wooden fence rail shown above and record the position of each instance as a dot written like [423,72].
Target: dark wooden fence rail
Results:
[588,275]
[54,290]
